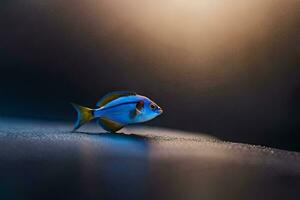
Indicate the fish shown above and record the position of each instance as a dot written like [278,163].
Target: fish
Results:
[117,110]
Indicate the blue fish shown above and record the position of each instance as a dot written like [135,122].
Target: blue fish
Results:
[118,109]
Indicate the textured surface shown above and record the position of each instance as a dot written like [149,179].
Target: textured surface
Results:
[44,160]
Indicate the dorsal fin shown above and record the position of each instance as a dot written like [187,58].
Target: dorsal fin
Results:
[112,96]
[109,125]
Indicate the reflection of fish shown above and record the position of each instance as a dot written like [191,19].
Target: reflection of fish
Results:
[118,109]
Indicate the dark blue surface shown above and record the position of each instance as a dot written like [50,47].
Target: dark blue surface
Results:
[44,160]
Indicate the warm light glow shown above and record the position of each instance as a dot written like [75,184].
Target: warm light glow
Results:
[203,28]
[212,40]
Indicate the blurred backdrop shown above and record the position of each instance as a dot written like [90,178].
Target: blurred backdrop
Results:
[224,67]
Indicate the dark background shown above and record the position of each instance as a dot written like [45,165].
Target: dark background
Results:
[226,68]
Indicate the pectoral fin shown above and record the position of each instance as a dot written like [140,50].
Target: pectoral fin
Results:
[110,125]
[139,106]
[138,109]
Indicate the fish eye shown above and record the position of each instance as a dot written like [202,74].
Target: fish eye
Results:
[152,106]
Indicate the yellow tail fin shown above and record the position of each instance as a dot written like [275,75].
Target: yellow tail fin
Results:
[84,115]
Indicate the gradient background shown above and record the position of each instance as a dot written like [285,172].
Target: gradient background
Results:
[224,67]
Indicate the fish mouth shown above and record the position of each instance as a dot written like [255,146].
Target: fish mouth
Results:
[160,111]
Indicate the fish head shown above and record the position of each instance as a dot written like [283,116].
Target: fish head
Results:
[150,110]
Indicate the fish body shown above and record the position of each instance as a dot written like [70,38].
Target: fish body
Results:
[118,109]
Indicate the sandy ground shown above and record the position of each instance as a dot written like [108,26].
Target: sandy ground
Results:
[44,160]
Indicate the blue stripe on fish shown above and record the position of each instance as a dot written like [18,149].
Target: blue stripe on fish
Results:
[113,106]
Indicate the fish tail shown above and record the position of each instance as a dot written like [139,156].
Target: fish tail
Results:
[84,115]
